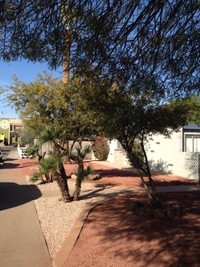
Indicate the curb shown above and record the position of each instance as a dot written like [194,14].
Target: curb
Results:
[60,259]
[63,253]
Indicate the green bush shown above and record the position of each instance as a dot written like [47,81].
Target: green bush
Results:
[101,148]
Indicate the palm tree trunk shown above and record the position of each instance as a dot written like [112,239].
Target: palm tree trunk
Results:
[78,181]
[66,56]
[62,183]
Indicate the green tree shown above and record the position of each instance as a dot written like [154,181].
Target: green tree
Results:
[57,138]
[132,118]
[146,54]
[39,102]
[55,113]
[48,101]
[139,39]
[193,103]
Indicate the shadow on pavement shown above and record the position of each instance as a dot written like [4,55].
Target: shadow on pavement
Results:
[13,194]
[9,159]
[9,165]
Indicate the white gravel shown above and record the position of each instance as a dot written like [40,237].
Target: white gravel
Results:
[55,216]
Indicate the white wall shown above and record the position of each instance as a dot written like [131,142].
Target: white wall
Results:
[48,147]
[117,154]
[113,145]
[167,153]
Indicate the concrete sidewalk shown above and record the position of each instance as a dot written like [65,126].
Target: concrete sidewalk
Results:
[22,243]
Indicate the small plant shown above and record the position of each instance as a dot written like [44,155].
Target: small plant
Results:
[101,148]
[36,177]
[78,156]
[45,164]
[45,172]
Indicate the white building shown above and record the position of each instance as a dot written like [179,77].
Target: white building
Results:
[117,155]
[178,154]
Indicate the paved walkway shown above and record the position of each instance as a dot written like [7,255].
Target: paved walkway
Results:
[22,242]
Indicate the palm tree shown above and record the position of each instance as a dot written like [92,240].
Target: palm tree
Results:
[78,156]
[56,137]
[34,151]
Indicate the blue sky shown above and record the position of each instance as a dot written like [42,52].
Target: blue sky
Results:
[25,72]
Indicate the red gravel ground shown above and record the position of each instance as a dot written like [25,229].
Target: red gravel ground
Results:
[114,236]
[111,175]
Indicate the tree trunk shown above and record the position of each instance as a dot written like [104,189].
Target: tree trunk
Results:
[143,169]
[62,183]
[78,181]
[66,56]
[48,177]
[77,189]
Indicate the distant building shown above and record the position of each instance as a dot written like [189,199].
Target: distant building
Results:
[178,154]
[10,130]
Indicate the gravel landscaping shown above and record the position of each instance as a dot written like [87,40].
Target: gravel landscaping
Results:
[55,216]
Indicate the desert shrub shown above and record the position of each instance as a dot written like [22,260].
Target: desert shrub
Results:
[137,151]
[101,148]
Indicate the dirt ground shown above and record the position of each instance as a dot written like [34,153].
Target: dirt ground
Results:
[114,236]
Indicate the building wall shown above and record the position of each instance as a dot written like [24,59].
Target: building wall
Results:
[117,154]
[168,155]
[7,127]
[47,148]
[4,131]
[165,154]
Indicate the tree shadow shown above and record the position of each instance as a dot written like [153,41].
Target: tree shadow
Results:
[105,192]
[159,167]
[113,229]
[13,194]
[118,177]
[91,193]
[174,182]
[117,172]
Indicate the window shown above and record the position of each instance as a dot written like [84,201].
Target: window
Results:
[192,143]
